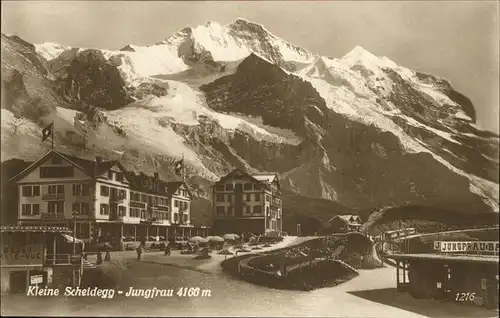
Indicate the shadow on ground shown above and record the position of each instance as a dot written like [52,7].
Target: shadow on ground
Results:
[426,307]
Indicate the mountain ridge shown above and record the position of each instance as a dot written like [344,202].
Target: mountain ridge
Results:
[361,130]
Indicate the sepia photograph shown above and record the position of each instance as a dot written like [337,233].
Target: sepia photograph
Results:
[250,158]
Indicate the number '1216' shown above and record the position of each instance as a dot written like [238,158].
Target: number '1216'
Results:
[465,296]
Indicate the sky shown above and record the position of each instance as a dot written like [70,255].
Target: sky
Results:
[456,40]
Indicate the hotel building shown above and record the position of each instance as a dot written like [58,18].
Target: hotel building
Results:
[107,202]
[245,202]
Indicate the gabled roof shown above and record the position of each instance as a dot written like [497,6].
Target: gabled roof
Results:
[172,186]
[265,177]
[164,188]
[90,167]
[262,178]
[346,218]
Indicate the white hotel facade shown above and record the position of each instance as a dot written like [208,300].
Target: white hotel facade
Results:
[110,203]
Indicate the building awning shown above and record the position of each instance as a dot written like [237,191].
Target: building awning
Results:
[70,238]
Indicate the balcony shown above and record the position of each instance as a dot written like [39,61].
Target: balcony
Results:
[150,220]
[160,207]
[138,205]
[116,199]
[116,217]
[62,259]
[53,197]
[52,216]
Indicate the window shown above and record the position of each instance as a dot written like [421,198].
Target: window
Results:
[257,197]
[26,209]
[247,186]
[248,197]
[229,198]
[53,189]
[268,198]
[229,187]
[144,198]
[119,177]
[176,203]
[185,218]
[219,198]
[135,213]
[110,175]
[143,214]
[55,207]
[122,210]
[247,210]
[104,209]
[104,191]
[56,160]
[176,217]
[81,208]
[81,189]
[31,191]
[230,210]
[267,211]
[56,172]
[257,209]
[220,210]
[219,187]
[123,194]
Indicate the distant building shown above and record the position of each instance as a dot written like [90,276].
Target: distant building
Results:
[110,203]
[344,223]
[244,202]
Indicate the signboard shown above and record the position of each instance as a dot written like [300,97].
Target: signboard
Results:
[36,279]
[472,246]
[437,245]
[23,255]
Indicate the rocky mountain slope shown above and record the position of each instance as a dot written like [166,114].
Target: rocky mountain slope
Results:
[361,131]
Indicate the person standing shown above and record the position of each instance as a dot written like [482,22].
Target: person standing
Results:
[139,252]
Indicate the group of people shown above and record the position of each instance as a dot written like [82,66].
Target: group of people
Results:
[142,246]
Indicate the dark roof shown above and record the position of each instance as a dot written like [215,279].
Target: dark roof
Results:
[346,218]
[137,183]
[165,188]
[34,228]
[172,186]
[90,167]
[230,174]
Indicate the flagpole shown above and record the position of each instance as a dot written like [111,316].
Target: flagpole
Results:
[52,135]
[183,169]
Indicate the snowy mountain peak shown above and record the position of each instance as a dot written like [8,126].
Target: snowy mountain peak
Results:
[359,54]
[242,24]
[50,50]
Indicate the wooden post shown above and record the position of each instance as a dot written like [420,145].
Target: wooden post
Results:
[397,274]
[54,250]
[135,233]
